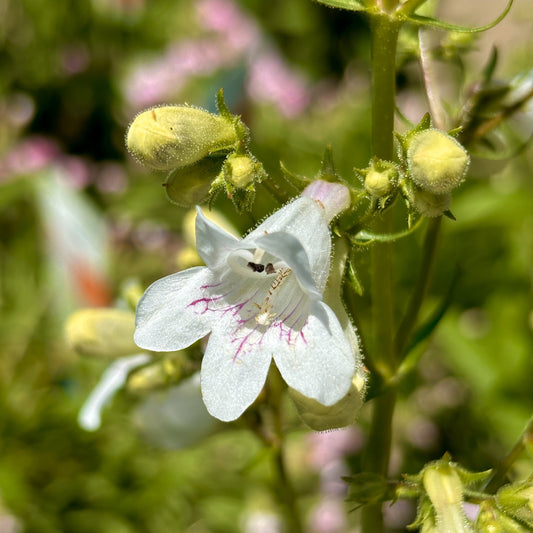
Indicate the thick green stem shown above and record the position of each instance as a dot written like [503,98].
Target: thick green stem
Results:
[420,289]
[384,31]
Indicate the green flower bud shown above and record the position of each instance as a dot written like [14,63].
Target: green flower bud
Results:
[517,501]
[241,173]
[169,137]
[323,417]
[381,178]
[426,203]
[437,162]
[492,520]
[189,186]
[162,373]
[379,184]
[103,333]
[240,170]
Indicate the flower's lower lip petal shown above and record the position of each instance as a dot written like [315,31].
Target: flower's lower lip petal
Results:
[318,360]
[233,370]
[165,320]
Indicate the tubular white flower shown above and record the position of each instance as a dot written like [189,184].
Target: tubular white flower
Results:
[261,299]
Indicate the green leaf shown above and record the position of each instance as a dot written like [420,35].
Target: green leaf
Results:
[351,5]
[420,20]
[426,329]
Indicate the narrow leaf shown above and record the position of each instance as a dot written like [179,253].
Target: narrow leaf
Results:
[351,5]
[421,20]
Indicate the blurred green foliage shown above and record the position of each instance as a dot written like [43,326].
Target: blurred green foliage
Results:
[63,70]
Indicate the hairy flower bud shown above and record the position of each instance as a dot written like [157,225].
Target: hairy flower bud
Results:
[517,501]
[189,186]
[162,373]
[381,178]
[102,333]
[321,417]
[491,520]
[240,170]
[427,203]
[169,137]
[444,487]
[437,162]
[240,174]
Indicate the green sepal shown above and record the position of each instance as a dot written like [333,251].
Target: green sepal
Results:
[450,215]
[221,105]
[350,275]
[327,168]
[241,130]
[403,140]
[298,181]
[490,67]
[421,20]
[350,5]
[369,488]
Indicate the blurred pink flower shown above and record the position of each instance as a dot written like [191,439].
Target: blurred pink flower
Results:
[330,446]
[271,80]
[225,18]
[233,37]
[328,516]
[29,155]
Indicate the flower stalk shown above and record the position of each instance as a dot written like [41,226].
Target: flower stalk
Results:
[384,36]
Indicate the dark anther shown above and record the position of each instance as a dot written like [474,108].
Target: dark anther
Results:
[270,268]
[256,267]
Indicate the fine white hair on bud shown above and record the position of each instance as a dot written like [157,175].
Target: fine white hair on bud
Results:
[169,137]
[437,162]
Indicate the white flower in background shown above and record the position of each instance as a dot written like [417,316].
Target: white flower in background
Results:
[260,298]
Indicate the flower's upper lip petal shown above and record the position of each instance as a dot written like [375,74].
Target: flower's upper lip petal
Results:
[231,376]
[291,252]
[305,221]
[318,362]
[212,242]
[165,319]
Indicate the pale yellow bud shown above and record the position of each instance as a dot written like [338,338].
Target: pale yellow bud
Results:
[155,376]
[437,162]
[104,333]
[169,137]
[379,184]
[445,490]
[241,170]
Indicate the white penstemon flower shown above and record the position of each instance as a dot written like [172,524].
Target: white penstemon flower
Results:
[261,298]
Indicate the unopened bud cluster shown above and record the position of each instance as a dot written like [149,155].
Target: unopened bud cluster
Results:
[204,153]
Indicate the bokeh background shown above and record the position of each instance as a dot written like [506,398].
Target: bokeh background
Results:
[80,220]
